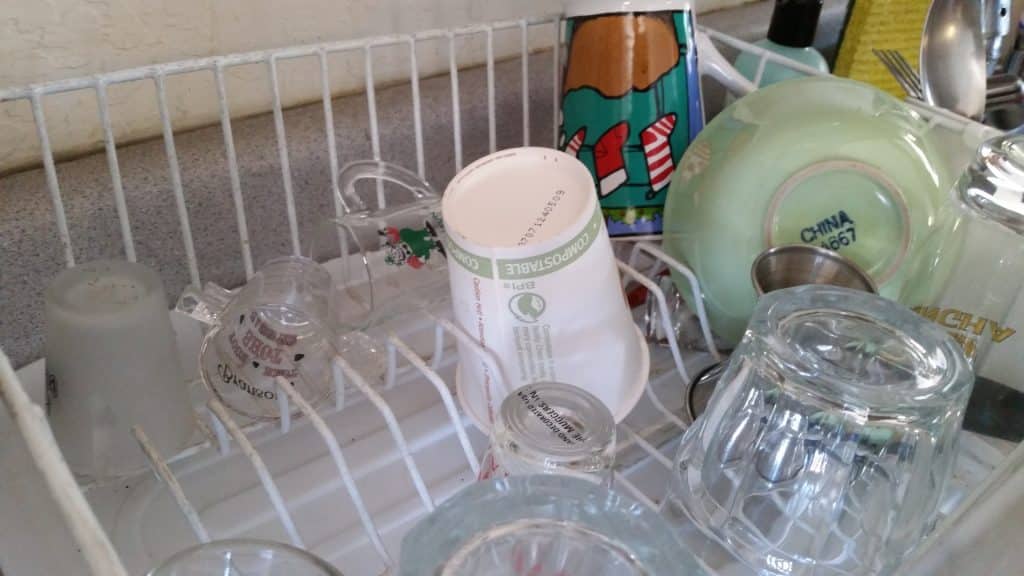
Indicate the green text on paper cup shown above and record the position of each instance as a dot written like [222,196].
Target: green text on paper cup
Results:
[553,260]
[478,265]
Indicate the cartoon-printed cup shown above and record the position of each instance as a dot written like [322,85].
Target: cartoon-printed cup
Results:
[534,281]
[385,249]
[630,102]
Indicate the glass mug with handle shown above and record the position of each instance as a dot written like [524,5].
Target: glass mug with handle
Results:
[298,312]
[283,323]
[387,250]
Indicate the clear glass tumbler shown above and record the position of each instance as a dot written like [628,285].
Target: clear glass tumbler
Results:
[552,428]
[244,558]
[830,437]
[967,274]
[543,526]
[967,277]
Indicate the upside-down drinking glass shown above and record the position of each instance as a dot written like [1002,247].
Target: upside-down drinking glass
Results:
[829,438]
[543,525]
[552,428]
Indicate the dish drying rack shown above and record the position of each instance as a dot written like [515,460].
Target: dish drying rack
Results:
[341,481]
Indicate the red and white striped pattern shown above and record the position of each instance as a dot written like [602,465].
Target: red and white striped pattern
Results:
[658,151]
[573,147]
[609,159]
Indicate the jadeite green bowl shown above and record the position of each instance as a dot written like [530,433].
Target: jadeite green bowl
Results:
[822,161]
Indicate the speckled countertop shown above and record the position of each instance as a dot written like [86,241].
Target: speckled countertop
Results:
[31,255]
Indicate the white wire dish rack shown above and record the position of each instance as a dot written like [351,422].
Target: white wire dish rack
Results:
[345,481]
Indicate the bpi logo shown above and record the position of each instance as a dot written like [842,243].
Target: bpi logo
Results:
[527,306]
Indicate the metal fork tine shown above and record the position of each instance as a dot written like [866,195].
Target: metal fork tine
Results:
[909,75]
[912,75]
[907,79]
[901,71]
[883,57]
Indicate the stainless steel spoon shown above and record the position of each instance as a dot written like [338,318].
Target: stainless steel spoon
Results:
[953,57]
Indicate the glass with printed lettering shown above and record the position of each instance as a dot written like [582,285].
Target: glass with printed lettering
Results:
[968,275]
[552,428]
[278,329]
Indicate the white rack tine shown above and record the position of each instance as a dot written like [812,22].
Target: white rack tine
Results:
[338,376]
[698,297]
[392,367]
[371,112]
[621,480]
[761,64]
[261,469]
[647,447]
[42,446]
[236,183]
[666,323]
[556,56]
[346,475]
[453,71]
[220,433]
[392,423]
[953,121]
[446,399]
[175,171]
[282,152]
[660,406]
[332,143]
[164,473]
[492,131]
[485,354]
[255,57]
[371,106]
[417,120]
[115,172]
[332,146]
[438,355]
[50,169]
[524,52]
[205,430]
[283,408]
[761,52]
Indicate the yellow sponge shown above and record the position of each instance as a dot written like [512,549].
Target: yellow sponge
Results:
[881,24]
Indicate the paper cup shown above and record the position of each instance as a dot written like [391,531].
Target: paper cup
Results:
[534,280]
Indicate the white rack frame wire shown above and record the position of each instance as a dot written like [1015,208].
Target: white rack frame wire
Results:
[227,434]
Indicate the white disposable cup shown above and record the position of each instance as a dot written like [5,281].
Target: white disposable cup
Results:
[112,363]
[534,281]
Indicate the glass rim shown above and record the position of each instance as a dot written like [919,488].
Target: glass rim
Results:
[991,185]
[953,377]
[476,546]
[149,286]
[252,545]
[550,497]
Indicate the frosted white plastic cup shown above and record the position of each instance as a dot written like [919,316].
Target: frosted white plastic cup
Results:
[534,280]
[111,364]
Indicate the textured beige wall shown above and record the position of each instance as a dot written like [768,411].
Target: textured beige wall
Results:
[43,40]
